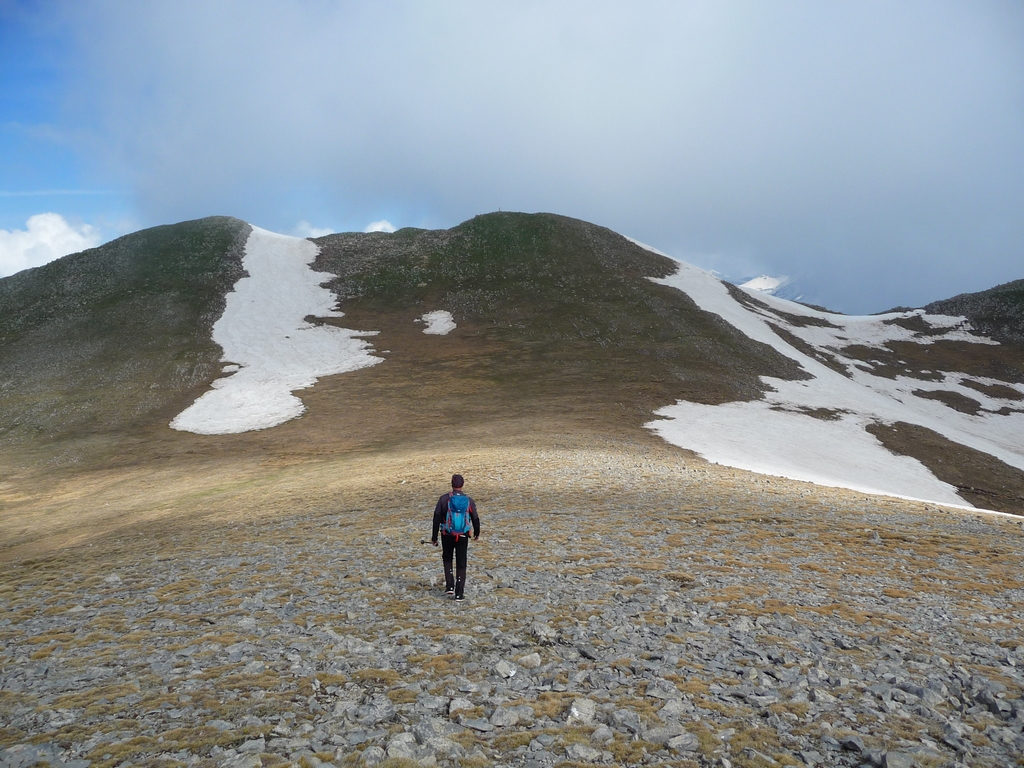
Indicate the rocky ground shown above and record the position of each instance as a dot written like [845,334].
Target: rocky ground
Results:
[619,612]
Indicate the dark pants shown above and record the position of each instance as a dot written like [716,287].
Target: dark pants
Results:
[460,548]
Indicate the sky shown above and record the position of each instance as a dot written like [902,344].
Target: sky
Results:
[873,152]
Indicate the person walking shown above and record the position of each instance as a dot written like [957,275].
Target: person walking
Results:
[454,514]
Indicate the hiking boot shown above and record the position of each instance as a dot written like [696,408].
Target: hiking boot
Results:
[460,598]
[449,591]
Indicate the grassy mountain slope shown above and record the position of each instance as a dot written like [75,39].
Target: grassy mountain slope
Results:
[115,337]
[555,305]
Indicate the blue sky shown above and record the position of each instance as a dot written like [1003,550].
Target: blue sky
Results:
[873,151]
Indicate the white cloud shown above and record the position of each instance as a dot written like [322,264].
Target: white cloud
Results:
[305,229]
[48,236]
[380,226]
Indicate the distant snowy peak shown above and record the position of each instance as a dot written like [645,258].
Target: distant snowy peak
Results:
[765,284]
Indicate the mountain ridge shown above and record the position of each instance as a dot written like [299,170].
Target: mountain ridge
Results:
[553,317]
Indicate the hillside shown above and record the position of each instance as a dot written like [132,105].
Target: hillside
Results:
[556,325]
[249,587]
[559,309]
[997,312]
[117,337]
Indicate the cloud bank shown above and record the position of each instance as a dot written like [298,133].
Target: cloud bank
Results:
[873,151]
[47,236]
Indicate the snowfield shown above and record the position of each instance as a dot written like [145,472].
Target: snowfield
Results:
[776,436]
[269,349]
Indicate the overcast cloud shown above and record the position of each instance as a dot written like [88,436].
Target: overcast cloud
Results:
[874,152]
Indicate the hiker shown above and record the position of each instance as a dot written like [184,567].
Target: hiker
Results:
[452,516]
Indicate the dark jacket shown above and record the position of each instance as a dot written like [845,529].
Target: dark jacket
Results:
[441,514]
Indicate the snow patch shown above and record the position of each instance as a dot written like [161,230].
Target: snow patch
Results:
[269,348]
[775,435]
[785,443]
[439,322]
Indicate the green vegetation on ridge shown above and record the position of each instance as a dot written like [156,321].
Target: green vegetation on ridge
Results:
[569,301]
[113,337]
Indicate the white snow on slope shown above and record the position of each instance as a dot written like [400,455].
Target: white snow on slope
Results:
[765,283]
[773,436]
[439,322]
[270,349]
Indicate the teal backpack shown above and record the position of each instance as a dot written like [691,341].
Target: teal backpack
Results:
[457,522]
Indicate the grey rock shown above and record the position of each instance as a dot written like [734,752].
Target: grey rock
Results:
[504,717]
[587,651]
[430,729]
[477,724]
[582,712]
[582,753]
[684,742]
[761,757]
[360,736]
[403,745]
[27,755]
[664,733]
[253,745]
[675,708]
[602,734]
[662,689]
[819,696]
[530,661]
[543,633]
[626,719]
[852,744]
[432,704]
[379,709]
[898,760]
[458,705]
[372,755]
[242,761]
[287,746]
